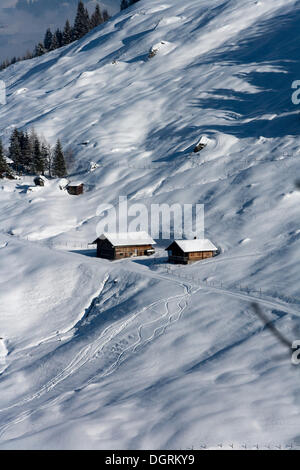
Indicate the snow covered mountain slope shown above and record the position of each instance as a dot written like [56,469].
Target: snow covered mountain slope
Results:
[129,354]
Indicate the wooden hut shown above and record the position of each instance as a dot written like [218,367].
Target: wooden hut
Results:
[75,189]
[114,246]
[188,251]
[201,144]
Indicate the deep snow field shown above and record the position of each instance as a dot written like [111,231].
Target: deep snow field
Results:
[136,354]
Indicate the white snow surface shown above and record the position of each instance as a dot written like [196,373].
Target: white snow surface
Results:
[133,354]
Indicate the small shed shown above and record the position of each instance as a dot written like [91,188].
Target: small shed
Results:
[203,142]
[39,180]
[114,246]
[75,189]
[188,251]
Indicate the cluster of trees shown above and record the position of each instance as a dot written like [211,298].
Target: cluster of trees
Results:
[127,3]
[82,25]
[31,155]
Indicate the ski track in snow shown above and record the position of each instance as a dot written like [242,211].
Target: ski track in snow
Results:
[93,351]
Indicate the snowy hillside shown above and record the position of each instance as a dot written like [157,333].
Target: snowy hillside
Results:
[136,354]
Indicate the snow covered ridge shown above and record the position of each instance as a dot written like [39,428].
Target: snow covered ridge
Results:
[139,353]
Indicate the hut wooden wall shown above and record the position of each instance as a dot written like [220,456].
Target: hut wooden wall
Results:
[200,255]
[128,251]
[176,255]
[107,251]
[75,190]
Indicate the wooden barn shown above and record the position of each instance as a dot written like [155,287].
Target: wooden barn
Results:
[188,251]
[114,246]
[75,189]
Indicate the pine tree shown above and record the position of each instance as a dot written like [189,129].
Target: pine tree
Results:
[39,50]
[27,152]
[67,34]
[124,5]
[32,137]
[38,161]
[15,153]
[106,16]
[127,3]
[58,164]
[54,43]
[82,22]
[96,18]
[59,37]
[48,39]
[46,156]
[87,20]
[22,138]
[4,168]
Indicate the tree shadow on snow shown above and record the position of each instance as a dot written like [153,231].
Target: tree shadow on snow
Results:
[275,42]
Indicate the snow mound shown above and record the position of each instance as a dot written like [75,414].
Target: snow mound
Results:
[63,183]
[21,91]
[93,166]
[161,48]
[170,20]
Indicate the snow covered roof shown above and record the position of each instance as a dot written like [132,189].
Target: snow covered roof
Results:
[41,177]
[190,246]
[75,183]
[204,140]
[128,238]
